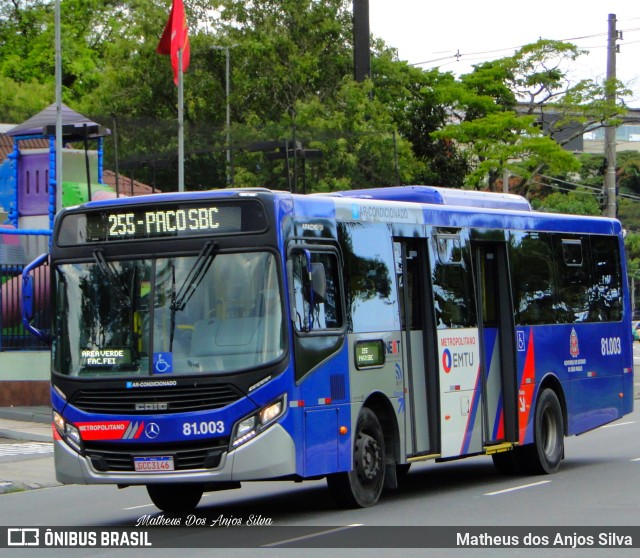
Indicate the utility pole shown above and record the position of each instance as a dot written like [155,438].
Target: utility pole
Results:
[361,45]
[227,89]
[610,131]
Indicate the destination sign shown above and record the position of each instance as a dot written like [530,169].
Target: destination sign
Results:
[152,221]
[166,222]
[369,353]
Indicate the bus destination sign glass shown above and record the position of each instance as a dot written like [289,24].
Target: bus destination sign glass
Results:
[166,221]
[369,353]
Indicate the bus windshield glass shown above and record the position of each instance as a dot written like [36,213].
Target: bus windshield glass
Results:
[204,314]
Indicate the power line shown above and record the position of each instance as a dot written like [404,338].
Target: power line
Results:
[596,190]
[570,183]
[466,56]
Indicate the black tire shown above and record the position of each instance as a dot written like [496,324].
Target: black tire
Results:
[175,498]
[546,452]
[361,487]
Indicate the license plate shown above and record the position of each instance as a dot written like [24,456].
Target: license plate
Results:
[156,463]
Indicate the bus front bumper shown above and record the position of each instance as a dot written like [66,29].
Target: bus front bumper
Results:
[270,455]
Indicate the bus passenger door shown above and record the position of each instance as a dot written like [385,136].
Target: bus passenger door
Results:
[497,344]
[420,386]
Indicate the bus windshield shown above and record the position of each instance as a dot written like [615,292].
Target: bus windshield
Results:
[210,313]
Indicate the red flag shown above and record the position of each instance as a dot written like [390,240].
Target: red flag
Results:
[175,37]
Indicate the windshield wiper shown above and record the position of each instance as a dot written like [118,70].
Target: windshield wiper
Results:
[190,284]
[109,272]
[200,267]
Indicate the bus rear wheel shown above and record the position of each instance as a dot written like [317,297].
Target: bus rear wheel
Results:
[361,487]
[175,497]
[547,450]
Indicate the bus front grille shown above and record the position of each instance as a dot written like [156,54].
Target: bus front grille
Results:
[179,399]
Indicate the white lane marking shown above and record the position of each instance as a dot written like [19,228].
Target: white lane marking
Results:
[521,487]
[138,507]
[619,424]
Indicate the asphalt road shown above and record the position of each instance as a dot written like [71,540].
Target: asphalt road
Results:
[596,486]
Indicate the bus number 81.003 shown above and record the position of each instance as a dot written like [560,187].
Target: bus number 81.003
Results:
[611,346]
[198,428]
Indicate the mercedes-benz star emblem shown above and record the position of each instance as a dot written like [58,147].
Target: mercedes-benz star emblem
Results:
[152,430]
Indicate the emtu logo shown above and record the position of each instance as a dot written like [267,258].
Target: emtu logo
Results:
[447,361]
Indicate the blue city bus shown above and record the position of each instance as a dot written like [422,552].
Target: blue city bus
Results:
[204,339]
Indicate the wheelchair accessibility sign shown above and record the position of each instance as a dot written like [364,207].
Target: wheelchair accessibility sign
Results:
[162,363]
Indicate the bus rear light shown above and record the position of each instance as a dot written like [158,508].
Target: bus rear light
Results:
[251,426]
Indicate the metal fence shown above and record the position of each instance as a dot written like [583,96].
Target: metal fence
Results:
[13,335]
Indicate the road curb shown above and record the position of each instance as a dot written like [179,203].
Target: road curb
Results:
[24,436]
[9,487]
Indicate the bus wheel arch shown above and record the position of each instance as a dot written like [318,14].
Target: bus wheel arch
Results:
[546,452]
[374,441]
[384,411]
[551,382]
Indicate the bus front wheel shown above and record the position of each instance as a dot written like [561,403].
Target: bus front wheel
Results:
[175,497]
[361,487]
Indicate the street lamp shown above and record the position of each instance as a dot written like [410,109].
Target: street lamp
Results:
[228,121]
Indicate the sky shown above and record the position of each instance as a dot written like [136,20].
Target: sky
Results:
[430,34]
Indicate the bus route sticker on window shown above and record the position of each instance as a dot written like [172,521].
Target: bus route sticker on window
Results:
[105,357]
[162,363]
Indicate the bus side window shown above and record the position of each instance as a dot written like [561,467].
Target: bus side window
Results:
[606,292]
[531,263]
[452,279]
[316,297]
[573,278]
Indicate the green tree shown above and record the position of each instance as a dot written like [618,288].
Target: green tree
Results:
[416,101]
[525,141]
[577,202]
[287,51]
[291,67]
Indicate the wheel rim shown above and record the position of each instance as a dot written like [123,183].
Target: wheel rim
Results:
[549,433]
[368,459]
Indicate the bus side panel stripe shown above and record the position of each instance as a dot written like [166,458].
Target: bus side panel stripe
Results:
[527,387]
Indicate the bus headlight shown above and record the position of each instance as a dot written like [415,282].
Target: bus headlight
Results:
[68,431]
[249,427]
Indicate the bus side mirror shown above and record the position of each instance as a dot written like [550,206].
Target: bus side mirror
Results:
[29,296]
